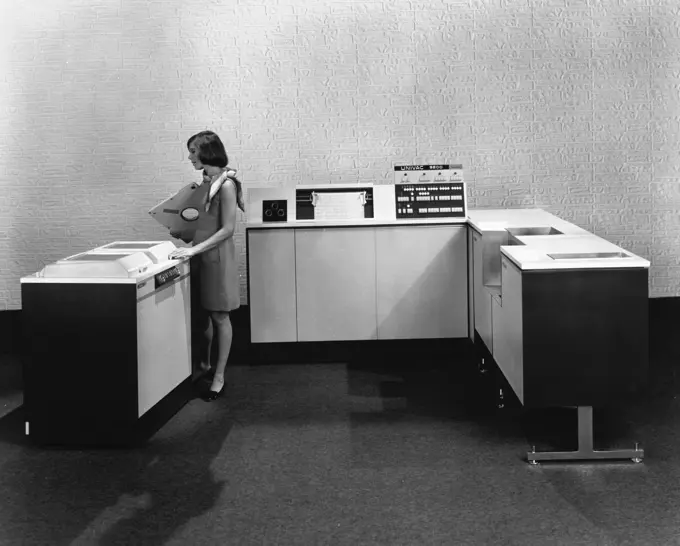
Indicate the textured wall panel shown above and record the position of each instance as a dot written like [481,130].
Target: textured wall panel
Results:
[569,105]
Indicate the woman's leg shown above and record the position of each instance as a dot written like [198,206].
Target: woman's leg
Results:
[206,346]
[222,328]
[201,325]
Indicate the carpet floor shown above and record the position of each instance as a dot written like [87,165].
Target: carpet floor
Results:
[342,454]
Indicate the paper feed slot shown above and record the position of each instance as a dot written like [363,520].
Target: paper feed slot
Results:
[334,204]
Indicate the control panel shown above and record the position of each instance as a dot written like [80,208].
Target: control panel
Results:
[274,210]
[429,191]
[164,277]
[424,174]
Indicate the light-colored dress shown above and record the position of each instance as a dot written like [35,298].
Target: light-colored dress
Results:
[218,270]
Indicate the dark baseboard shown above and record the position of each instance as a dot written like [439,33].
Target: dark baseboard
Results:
[10,332]
[664,308]
[410,353]
[664,325]
[664,322]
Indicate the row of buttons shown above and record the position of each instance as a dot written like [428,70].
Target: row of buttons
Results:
[425,179]
[439,198]
[407,199]
[438,188]
[430,210]
[442,209]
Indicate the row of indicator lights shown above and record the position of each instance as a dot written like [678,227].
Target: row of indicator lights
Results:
[433,182]
[408,199]
[439,198]
[424,177]
[426,189]
[430,173]
[427,210]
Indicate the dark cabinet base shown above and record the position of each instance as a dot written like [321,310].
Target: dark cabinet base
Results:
[586,336]
[80,367]
[77,430]
[584,449]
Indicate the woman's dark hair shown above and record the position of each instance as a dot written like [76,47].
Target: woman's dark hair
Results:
[211,152]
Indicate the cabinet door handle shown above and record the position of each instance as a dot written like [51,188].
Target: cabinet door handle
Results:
[504,264]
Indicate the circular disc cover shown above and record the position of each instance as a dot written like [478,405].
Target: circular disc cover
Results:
[190,214]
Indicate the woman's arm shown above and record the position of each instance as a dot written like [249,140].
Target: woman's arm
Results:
[227,219]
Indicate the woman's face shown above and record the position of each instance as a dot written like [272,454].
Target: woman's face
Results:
[193,157]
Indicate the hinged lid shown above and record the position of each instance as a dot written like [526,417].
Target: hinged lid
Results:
[92,264]
[157,251]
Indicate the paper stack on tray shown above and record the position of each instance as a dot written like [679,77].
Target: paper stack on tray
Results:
[338,206]
[183,211]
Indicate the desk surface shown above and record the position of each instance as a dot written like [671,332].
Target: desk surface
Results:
[533,253]
[362,222]
[536,251]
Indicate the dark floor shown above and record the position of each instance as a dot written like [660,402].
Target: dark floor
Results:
[393,454]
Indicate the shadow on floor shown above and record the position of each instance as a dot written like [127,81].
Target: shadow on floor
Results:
[367,448]
[126,496]
[11,384]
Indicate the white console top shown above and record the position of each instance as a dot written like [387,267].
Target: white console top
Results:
[367,222]
[500,219]
[118,262]
[573,248]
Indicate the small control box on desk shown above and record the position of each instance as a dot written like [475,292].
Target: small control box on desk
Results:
[429,191]
[275,210]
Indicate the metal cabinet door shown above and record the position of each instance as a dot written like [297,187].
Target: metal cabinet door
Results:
[335,283]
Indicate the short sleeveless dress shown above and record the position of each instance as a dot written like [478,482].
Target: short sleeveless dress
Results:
[218,269]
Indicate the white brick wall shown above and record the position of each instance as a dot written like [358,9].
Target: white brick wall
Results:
[568,105]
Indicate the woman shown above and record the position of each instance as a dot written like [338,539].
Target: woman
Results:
[213,246]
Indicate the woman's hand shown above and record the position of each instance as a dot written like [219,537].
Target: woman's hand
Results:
[182,253]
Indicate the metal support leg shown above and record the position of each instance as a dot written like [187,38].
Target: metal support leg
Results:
[585,445]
